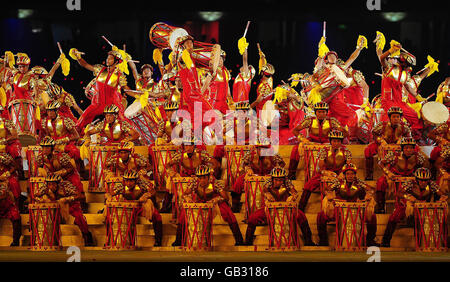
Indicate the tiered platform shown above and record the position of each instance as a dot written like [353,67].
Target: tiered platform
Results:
[402,241]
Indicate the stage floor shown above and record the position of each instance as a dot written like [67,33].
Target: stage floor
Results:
[219,256]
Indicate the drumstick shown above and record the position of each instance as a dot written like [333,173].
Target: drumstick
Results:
[379,74]
[324,29]
[246,28]
[425,68]
[107,41]
[59,46]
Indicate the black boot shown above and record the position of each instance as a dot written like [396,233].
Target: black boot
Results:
[380,198]
[293,164]
[88,240]
[369,168]
[304,200]
[17,232]
[167,203]
[306,231]
[371,234]
[158,228]
[179,236]
[323,235]
[235,202]
[390,228]
[239,241]
[249,234]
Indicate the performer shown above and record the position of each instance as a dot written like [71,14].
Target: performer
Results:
[168,124]
[242,82]
[22,79]
[349,189]
[385,132]
[397,66]
[331,161]
[403,164]
[109,82]
[5,87]
[62,130]
[219,89]
[422,189]
[9,141]
[278,189]
[443,92]
[57,93]
[264,90]
[68,197]
[53,161]
[9,176]
[184,163]
[318,127]
[254,163]
[134,188]
[113,128]
[205,189]
[440,135]
[10,211]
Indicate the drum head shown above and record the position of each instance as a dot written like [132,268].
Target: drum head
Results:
[435,112]
[177,33]
[133,110]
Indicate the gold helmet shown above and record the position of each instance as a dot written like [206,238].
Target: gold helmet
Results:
[407,141]
[321,106]
[53,105]
[423,173]
[180,40]
[278,172]
[268,69]
[130,174]
[54,89]
[408,57]
[51,177]
[336,134]
[47,141]
[244,106]
[146,66]
[203,170]
[111,109]
[38,70]
[125,146]
[171,106]
[116,54]
[395,110]
[22,59]
[349,166]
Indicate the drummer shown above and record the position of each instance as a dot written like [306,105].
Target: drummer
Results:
[9,176]
[68,197]
[422,189]
[401,164]
[113,128]
[443,92]
[167,125]
[205,189]
[254,162]
[385,132]
[350,189]
[134,188]
[9,141]
[22,79]
[440,135]
[317,127]
[278,189]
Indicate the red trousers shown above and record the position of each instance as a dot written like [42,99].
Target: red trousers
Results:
[259,217]
[225,212]
[371,150]
[9,210]
[80,220]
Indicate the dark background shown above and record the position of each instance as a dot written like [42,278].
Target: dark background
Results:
[288,32]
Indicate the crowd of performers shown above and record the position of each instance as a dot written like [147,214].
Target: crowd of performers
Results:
[332,108]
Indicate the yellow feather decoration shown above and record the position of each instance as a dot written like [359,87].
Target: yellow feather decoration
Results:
[187,58]
[362,41]
[280,94]
[432,65]
[417,107]
[242,45]
[2,96]
[65,65]
[38,113]
[314,95]
[157,56]
[323,48]
[397,52]
[295,79]
[72,53]
[381,41]
[11,60]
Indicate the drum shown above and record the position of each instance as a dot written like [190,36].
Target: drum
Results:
[198,227]
[161,155]
[435,113]
[23,114]
[32,152]
[431,226]
[91,90]
[254,193]
[365,126]
[350,221]
[282,219]
[311,160]
[97,170]
[45,219]
[234,155]
[121,219]
[179,185]
[146,124]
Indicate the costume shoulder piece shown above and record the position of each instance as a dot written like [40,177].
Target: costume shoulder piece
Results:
[335,123]
[378,129]
[68,188]
[64,159]
[69,123]
[6,159]
[97,69]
